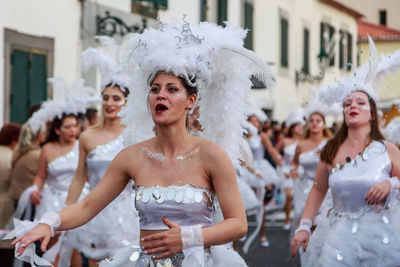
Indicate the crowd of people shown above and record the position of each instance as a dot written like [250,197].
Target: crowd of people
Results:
[165,174]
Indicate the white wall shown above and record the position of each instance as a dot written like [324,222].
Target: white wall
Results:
[59,20]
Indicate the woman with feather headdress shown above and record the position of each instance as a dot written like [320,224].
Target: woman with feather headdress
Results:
[177,176]
[361,169]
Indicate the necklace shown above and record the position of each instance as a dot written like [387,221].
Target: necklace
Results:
[159,156]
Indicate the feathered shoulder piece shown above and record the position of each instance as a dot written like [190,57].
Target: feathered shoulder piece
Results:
[76,98]
[363,78]
[107,58]
[211,58]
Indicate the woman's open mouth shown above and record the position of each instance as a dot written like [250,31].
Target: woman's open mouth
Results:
[160,108]
[353,113]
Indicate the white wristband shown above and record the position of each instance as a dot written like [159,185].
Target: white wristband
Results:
[52,219]
[394,183]
[305,225]
[191,237]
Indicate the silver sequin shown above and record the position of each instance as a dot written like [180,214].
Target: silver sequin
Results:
[146,196]
[198,196]
[139,194]
[354,229]
[385,219]
[385,240]
[135,256]
[339,257]
[179,197]
[170,194]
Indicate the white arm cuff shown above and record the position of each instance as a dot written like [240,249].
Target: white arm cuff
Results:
[305,225]
[52,219]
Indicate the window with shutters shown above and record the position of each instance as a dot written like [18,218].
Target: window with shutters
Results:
[327,42]
[284,42]
[248,24]
[222,11]
[148,8]
[28,82]
[306,51]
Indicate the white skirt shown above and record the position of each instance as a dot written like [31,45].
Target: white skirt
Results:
[115,227]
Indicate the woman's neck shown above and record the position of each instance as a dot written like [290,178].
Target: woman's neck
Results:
[317,137]
[358,136]
[172,139]
[67,142]
[112,124]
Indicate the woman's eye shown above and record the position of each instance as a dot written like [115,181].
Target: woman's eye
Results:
[173,89]
[105,98]
[154,90]
[117,98]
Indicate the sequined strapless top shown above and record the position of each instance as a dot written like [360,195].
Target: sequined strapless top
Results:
[100,158]
[186,205]
[256,147]
[351,182]
[288,153]
[61,170]
[309,161]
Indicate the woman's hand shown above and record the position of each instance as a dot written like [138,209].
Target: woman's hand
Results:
[299,238]
[40,232]
[378,192]
[35,197]
[294,173]
[167,243]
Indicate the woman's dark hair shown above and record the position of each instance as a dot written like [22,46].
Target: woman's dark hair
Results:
[125,90]
[90,114]
[56,124]
[328,153]
[291,130]
[326,132]
[9,133]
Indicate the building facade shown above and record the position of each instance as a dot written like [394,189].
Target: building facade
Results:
[306,42]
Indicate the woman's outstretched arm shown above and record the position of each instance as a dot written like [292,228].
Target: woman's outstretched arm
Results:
[113,182]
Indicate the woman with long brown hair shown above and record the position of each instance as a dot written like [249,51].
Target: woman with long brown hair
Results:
[359,166]
[306,159]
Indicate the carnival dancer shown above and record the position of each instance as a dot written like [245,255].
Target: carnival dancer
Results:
[98,145]
[177,175]
[359,166]
[295,123]
[59,156]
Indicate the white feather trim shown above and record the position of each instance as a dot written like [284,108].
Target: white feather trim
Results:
[215,57]
[78,98]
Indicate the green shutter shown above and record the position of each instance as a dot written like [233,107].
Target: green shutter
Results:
[331,52]
[203,10]
[222,11]
[349,50]
[306,52]
[28,83]
[284,42]
[19,86]
[341,52]
[248,24]
[37,79]
[322,41]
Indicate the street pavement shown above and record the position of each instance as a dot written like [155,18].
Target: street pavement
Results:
[277,254]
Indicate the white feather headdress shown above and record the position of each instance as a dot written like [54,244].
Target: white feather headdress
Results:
[77,97]
[208,56]
[107,58]
[295,116]
[392,131]
[363,78]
